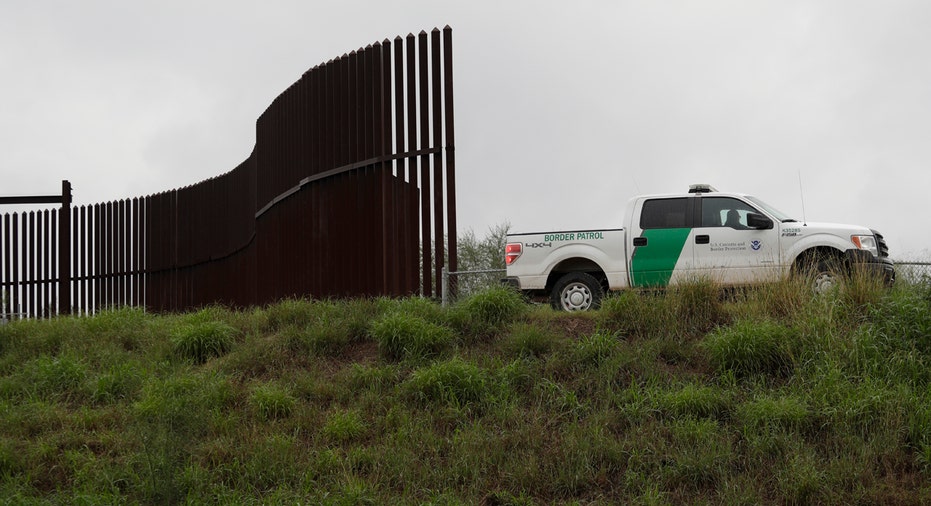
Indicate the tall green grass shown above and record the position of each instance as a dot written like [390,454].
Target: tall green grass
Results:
[766,394]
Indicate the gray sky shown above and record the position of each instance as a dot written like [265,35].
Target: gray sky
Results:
[564,110]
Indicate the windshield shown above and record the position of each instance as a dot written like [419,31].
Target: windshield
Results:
[779,215]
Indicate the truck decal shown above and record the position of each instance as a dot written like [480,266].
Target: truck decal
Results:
[574,236]
[652,265]
[733,246]
[559,237]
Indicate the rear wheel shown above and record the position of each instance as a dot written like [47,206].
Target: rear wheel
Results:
[576,291]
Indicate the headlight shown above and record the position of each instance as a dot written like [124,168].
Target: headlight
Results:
[866,242]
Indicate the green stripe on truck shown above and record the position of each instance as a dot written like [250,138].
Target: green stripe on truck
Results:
[652,265]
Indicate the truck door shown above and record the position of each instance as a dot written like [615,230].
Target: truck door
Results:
[660,251]
[727,249]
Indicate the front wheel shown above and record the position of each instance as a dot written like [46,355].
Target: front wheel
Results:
[822,274]
[576,291]
[826,277]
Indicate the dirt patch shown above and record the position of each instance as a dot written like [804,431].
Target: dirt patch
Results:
[574,326]
[363,353]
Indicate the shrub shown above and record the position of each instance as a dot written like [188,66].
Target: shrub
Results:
[779,300]
[6,337]
[923,455]
[683,310]
[802,477]
[344,426]
[594,349]
[63,376]
[904,320]
[183,398]
[402,336]
[296,312]
[324,338]
[697,306]
[563,401]
[126,324]
[119,382]
[22,340]
[11,460]
[272,402]
[170,415]
[528,340]
[516,377]
[635,314]
[489,311]
[766,412]
[695,401]
[421,307]
[863,289]
[701,455]
[201,341]
[363,377]
[750,347]
[453,382]
[358,315]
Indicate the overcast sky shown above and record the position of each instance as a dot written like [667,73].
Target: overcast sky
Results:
[564,110]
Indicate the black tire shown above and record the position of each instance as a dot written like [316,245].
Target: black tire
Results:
[823,273]
[826,276]
[576,291]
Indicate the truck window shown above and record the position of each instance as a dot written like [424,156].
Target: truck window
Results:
[725,212]
[664,213]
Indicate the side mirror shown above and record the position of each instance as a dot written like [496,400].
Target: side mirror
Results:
[758,221]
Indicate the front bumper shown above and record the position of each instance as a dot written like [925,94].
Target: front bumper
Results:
[865,261]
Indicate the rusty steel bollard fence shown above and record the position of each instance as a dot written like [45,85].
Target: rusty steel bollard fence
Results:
[360,146]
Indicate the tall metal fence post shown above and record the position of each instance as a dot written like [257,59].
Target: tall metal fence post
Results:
[64,250]
[452,244]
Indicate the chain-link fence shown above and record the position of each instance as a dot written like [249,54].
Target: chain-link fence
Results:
[913,272]
[464,283]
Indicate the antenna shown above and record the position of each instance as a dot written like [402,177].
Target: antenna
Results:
[802,196]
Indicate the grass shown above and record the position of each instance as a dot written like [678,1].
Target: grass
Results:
[694,395]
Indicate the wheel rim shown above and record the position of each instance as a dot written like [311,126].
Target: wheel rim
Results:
[576,297]
[824,282]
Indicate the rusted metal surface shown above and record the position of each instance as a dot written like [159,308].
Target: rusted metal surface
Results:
[451,242]
[349,191]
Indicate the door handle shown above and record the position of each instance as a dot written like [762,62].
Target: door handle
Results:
[640,241]
[702,239]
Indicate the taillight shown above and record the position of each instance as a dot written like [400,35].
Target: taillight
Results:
[512,252]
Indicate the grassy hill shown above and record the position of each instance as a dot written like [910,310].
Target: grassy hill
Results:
[695,395]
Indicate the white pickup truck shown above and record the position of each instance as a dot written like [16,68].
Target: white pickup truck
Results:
[729,238]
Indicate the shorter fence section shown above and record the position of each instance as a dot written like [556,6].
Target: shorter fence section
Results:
[913,272]
[465,283]
[34,262]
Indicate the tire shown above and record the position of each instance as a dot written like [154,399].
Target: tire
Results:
[576,291]
[824,275]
